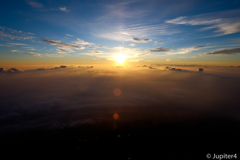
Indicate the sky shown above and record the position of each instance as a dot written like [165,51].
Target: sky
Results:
[91,32]
[163,66]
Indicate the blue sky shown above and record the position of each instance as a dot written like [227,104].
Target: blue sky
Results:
[166,31]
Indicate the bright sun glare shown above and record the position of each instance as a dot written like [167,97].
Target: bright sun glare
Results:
[120,58]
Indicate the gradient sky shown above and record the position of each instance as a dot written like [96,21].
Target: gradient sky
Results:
[50,32]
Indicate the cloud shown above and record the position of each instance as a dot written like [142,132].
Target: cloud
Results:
[8,35]
[168,59]
[64,49]
[15,37]
[2,70]
[60,44]
[159,49]
[39,69]
[62,99]
[224,52]
[31,53]
[20,34]
[63,9]
[82,42]
[198,47]
[141,40]
[96,51]
[223,23]
[185,50]
[220,52]
[35,4]
[144,53]
[14,50]
[107,25]
[132,44]
[159,42]
[13,70]
[69,35]
[127,32]
[30,48]
[55,55]
[103,47]
[182,20]
[14,31]
[17,44]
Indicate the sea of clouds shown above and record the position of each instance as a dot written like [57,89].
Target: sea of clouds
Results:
[60,98]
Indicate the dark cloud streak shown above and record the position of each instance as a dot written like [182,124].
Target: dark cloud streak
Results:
[141,40]
[224,52]
[61,44]
[160,49]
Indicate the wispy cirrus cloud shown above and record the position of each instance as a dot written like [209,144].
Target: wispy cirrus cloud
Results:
[132,44]
[125,22]
[223,23]
[122,9]
[15,34]
[126,32]
[30,48]
[14,50]
[63,50]
[29,53]
[159,42]
[60,44]
[64,9]
[14,31]
[96,51]
[69,35]
[144,53]
[82,42]
[185,50]
[35,4]
[17,44]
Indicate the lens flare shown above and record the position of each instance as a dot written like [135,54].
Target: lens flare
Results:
[117,92]
[115,116]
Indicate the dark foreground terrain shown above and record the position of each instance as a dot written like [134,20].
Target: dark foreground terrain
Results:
[166,141]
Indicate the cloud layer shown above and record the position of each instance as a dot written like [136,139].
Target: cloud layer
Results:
[65,98]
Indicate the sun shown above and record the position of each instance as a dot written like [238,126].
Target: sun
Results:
[120,58]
